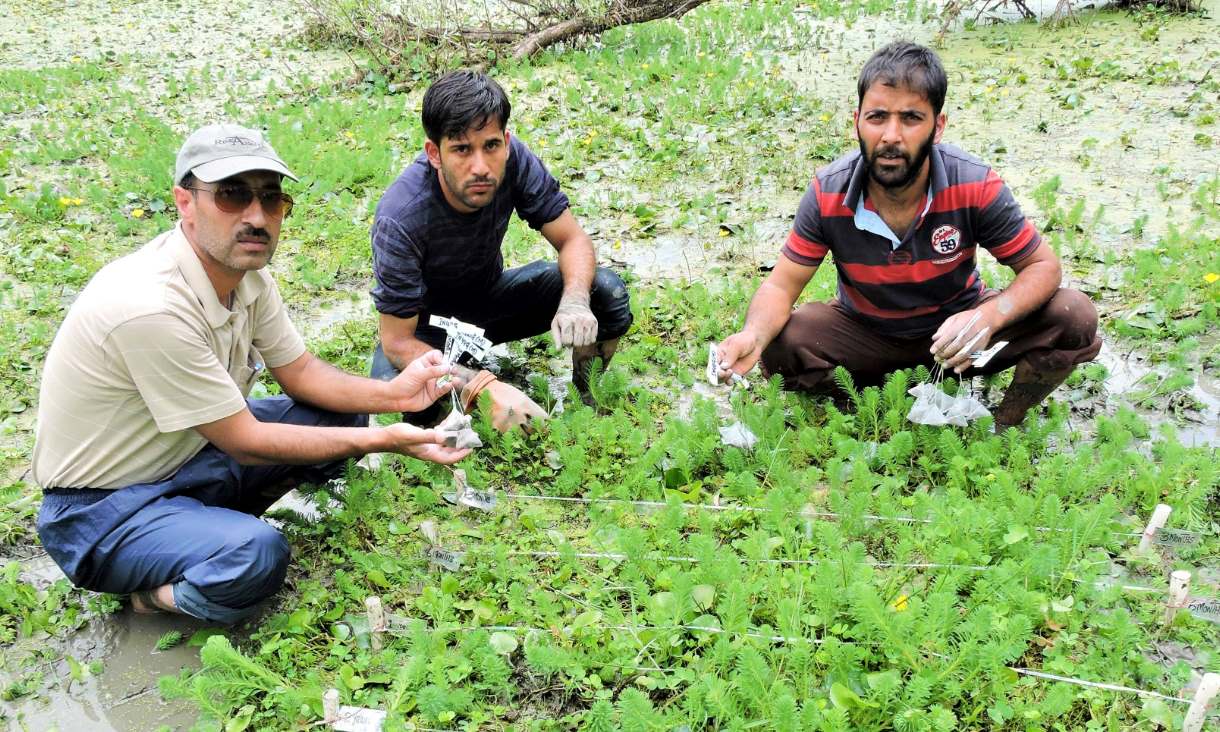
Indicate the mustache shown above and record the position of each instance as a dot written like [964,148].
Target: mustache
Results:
[889,150]
[481,181]
[251,232]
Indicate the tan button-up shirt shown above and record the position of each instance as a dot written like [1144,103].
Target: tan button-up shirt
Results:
[146,353]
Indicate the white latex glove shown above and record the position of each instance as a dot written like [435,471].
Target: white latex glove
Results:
[574,323]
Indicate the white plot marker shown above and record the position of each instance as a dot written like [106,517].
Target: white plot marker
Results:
[1159,516]
[1198,708]
[1179,586]
[376,616]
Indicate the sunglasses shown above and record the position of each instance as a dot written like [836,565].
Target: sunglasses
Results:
[236,198]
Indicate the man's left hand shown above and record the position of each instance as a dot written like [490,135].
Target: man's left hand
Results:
[574,323]
[415,388]
[965,333]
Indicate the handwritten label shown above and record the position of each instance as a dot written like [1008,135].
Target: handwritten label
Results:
[443,558]
[1177,537]
[359,719]
[482,500]
[1208,610]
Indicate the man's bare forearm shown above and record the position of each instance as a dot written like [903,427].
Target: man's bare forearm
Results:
[404,351]
[289,444]
[769,310]
[577,262]
[1030,289]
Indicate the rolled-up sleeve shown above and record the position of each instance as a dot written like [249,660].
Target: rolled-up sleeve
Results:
[398,287]
[538,198]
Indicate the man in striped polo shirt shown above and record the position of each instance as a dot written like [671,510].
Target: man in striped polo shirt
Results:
[904,217]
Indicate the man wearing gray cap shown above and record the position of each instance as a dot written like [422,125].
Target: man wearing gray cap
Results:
[153,463]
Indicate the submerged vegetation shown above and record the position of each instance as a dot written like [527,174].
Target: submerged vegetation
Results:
[852,570]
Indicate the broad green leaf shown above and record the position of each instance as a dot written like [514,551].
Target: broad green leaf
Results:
[704,596]
[503,643]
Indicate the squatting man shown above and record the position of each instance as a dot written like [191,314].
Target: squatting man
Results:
[436,238]
[153,462]
[904,216]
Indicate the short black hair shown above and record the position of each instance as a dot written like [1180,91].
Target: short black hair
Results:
[461,100]
[903,63]
[188,180]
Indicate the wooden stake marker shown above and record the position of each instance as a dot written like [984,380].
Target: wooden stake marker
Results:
[1179,586]
[1159,516]
[376,616]
[1198,708]
[330,706]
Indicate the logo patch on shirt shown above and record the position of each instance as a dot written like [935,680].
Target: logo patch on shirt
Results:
[946,239]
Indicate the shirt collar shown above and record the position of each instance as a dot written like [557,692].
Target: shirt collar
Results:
[196,277]
[856,186]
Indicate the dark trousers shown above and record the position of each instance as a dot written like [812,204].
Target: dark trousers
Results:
[197,529]
[820,336]
[521,304]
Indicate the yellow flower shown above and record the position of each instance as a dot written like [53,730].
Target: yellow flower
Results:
[644,67]
[1211,278]
[618,243]
[825,117]
[348,133]
[901,603]
[65,201]
[988,89]
[724,233]
[77,201]
[701,54]
[76,59]
[137,213]
[748,54]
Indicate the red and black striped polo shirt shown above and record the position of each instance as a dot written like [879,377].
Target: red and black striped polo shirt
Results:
[907,288]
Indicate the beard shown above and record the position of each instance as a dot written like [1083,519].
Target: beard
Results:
[899,176]
[470,200]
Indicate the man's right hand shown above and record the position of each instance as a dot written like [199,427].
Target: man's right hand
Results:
[740,352]
[407,439]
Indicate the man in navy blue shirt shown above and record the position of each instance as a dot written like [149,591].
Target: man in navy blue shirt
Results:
[436,247]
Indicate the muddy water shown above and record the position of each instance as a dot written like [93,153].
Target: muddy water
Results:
[1130,375]
[124,696]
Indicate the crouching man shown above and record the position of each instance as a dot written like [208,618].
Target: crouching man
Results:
[153,463]
[436,241]
[904,218]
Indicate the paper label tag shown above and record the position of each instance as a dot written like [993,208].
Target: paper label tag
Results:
[1202,609]
[482,500]
[712,365]
[443,558]
[359,719]
[1177,537]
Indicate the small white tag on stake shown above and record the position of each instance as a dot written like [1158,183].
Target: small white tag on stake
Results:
[1177,537]
[713,365]
[447,560]
[482,500]
[359,719]
[1205,609]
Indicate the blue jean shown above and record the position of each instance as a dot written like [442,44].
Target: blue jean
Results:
[197,529]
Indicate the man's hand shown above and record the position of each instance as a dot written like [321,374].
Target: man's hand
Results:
[739,352]
[962,334]
[424,444]
[415,388]
[574,323]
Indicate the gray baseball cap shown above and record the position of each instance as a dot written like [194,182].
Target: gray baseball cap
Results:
[216,152]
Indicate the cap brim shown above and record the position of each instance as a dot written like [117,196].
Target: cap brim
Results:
[228,167]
